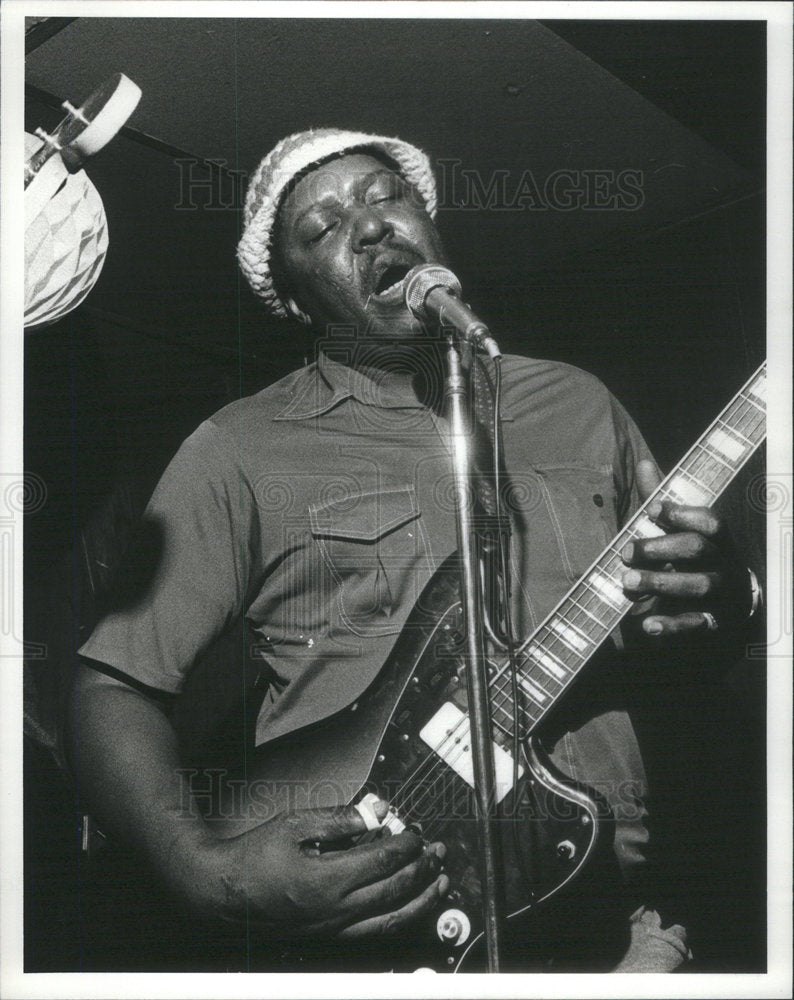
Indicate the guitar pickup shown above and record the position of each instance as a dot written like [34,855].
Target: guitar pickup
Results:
[448,734]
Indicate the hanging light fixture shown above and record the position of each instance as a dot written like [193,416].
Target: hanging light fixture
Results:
[66,230]
[65,245]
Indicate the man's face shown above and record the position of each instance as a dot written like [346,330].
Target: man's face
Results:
[348,233]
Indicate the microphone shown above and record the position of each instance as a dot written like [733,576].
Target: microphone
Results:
[432,292]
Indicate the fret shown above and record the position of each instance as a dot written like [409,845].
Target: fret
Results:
[611,564]
[712,456]
[696,482]
[756,394]
[531,711]
[694,492]
[541,677]
[584,609]
[505,692]
[735,430]
[573,637]
[524,668]
[507,728]
[500,708]
[709,481]
[507,699]
[708,467]
[685,493]
[645,527]
[501,683]
[607,590]
[549,663]
[745,422]
[533,691]
[719,441]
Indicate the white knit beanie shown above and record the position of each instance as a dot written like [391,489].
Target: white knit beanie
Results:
[288,159]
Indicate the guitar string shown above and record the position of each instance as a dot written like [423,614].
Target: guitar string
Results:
[460,793]
[451,760]
[563,651]
[697,467]
[701,467]
[438,762]
[433,790]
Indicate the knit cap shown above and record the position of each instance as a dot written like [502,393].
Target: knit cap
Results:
[284,162]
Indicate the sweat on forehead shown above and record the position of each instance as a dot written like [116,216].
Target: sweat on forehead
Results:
[283,167]
[329,181]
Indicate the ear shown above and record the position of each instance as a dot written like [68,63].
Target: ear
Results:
[297,312]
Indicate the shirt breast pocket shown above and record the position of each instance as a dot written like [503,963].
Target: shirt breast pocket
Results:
[581,506]
[375,550]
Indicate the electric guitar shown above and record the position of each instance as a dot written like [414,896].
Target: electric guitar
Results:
[406,739]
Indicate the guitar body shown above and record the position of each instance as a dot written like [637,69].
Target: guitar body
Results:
[380,745]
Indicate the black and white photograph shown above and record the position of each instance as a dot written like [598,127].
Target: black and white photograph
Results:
[397,572]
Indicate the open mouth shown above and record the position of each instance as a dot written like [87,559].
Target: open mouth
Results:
[389,284]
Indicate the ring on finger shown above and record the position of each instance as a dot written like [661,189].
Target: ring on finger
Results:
[711,621]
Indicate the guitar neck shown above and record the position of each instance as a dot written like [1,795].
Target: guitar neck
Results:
[552,657]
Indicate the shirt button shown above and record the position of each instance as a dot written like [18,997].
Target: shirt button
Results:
[598,500]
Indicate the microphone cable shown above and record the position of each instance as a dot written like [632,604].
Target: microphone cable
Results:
[517,738]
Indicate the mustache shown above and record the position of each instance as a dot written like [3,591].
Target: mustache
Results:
[389,265]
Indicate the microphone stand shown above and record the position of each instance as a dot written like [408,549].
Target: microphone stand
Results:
[457,395]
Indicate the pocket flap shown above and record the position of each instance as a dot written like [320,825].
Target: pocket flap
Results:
[364,517]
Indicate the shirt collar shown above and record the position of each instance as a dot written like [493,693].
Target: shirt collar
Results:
[325,383]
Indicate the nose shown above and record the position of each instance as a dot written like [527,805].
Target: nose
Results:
[369,228]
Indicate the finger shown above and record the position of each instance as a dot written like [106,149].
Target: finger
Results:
[661,625]
[334,822]
[404,884]
[648,478]
[639,583]
[679,517]
[395,921]
[375,861]
[686,546]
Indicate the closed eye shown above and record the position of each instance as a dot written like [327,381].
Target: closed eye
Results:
[317,236]
[389,196]
[392,189]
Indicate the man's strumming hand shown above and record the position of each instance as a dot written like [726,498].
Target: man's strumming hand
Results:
[300,873]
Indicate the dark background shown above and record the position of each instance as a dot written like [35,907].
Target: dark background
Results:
[665,304]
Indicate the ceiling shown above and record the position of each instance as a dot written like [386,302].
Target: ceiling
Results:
[493,96]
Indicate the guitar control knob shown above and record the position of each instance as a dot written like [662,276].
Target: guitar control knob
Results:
[453,927]
[566,850]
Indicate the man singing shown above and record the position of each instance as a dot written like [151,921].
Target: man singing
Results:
[318,510]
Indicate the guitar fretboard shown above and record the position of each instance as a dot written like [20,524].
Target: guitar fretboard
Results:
[553,655]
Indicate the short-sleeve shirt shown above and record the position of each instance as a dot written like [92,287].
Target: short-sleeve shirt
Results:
[320,508]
